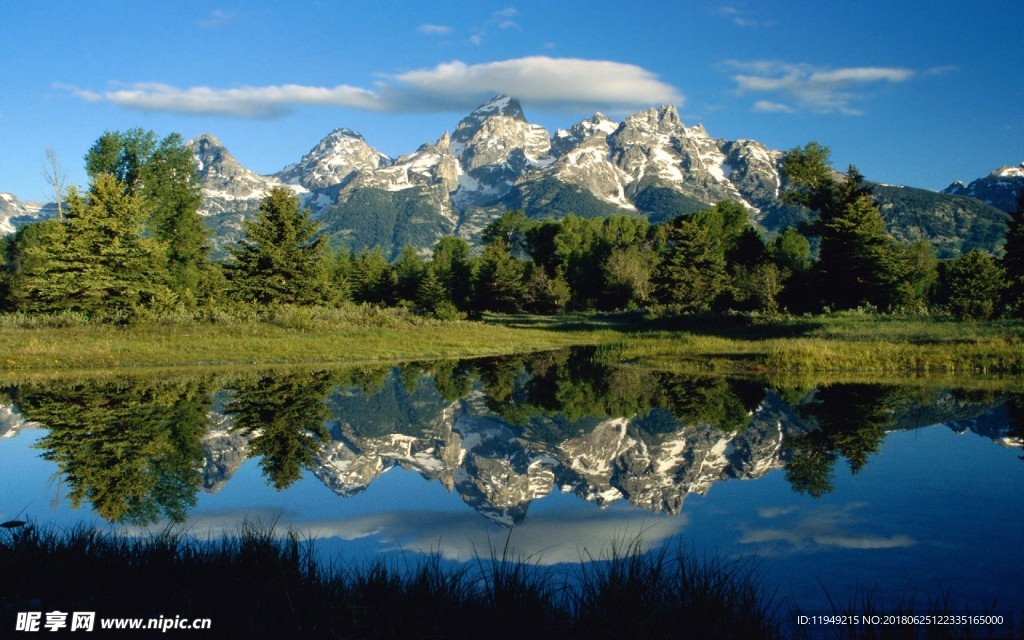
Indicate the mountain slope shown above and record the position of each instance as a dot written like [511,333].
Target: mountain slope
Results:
[651,164]
[999,188]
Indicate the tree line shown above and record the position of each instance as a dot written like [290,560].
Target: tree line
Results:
[134,242]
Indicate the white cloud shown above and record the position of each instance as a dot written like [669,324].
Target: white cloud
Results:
[767,106]
[464,535]
[818,529]
[434,29]
[537,81]
[741,18]
[217,18]
[804,87]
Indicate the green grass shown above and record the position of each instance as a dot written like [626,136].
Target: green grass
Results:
[289,336]
[834,344]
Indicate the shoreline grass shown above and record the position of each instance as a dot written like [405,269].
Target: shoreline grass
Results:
[258,584]
[844,343]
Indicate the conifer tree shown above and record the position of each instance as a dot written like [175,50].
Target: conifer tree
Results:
[409,270]
[692,273]
[431,297]
[283,258]
[372,278]
[858,262]
[163,174]
[1013,259]
[96,261]
[976,284]
[453,264]
[499,284]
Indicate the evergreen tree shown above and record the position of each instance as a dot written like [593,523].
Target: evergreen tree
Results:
[163,174]
[499,283]
[131,450]
[1013,259]
[858,263]
[284,416]
[976,283]
[432,298]
[96,261]
[409,270]
[283,258]
[691,274]
[453,264]
[373,280]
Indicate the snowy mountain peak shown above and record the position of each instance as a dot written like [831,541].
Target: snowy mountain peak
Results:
[999,188]
[334,160]
[500,105]
[1010,172]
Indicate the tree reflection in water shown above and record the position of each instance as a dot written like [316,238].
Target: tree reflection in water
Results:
[574,419]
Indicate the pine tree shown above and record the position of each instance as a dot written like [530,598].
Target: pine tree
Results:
[431,297]
[96,261]
[1013,259]
[691,274]
[976,284]
[372,278]
[283,258]
[499,284]
[859,263]
[163,174]
[453,264]
[409,270]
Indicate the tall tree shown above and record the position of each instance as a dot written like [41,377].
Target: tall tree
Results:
[1013,259]
[691,274]
[163,173]
[453,264]
[282,259]
[97,261]
[499,284]
[858,262]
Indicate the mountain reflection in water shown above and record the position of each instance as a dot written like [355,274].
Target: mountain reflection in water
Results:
[499,432]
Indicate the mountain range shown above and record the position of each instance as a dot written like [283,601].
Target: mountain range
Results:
[651,164]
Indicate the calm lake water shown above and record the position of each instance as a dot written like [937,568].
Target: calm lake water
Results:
[898,491]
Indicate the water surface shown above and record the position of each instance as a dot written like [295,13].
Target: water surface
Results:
[899,491]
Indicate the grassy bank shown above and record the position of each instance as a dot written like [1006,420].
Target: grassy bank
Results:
[290,336]
[840,343]
[848,343]
[258,585]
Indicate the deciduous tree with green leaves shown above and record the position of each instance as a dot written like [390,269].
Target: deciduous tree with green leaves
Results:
[858,263]
[163,174]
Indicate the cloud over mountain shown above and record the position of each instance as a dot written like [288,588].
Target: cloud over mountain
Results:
[540,81]
[804,87]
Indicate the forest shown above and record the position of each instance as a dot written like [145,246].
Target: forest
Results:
[133,247]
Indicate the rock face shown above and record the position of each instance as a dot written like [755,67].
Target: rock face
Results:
[999,188]
[651,164]
[15,213]
[336,159]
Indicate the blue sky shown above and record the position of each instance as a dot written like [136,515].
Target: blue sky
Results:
[915,93]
